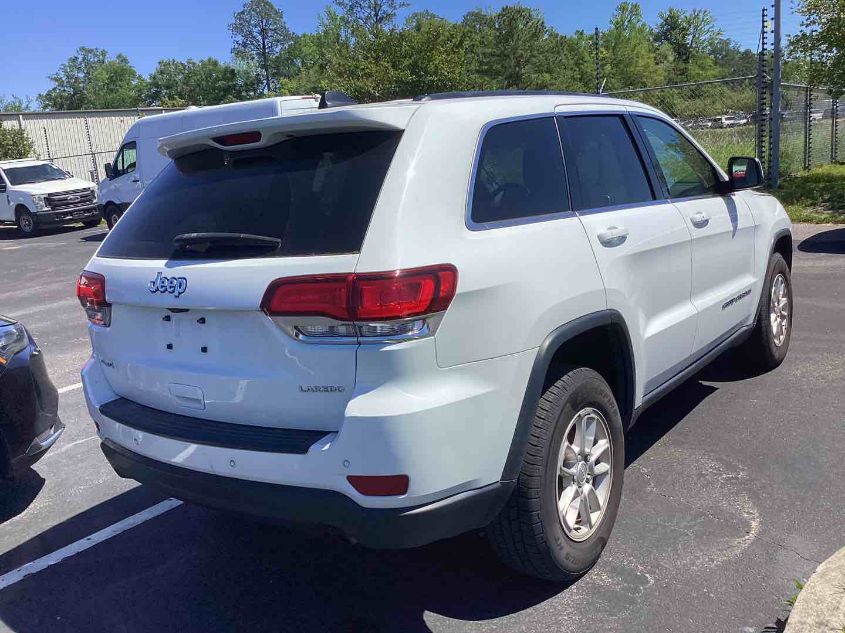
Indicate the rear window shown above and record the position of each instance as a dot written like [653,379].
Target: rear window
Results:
[315,193]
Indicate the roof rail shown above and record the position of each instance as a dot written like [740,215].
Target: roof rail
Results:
[465,94]
[334,99]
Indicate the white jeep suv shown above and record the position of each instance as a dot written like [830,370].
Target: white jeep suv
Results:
[413,319]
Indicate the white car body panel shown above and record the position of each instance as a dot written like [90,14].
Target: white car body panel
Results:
[442,409]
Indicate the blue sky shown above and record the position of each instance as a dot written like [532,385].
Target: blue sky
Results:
[40,36]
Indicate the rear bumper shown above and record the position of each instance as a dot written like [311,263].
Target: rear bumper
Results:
[29,420]
[373,527]
[68,216]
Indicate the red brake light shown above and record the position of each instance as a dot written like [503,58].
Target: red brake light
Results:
[91,292]
[364,297]
[242,138]
[326,295]
[379,485]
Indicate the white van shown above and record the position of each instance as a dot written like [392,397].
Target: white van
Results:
[138,161]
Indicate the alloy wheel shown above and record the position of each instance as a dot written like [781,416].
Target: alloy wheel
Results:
[584,474]
[779,309]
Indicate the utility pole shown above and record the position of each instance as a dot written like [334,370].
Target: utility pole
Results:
[598,60]
[774,176]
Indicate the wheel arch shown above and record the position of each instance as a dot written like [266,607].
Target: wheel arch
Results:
[782,243]
[600,341]
[20,207]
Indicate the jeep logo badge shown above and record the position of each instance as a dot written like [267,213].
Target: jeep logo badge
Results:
[174,285]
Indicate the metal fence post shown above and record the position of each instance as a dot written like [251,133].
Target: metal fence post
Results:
[834,114]
[94,171]
[596,42]
[47,143]
[761,85]
[808,97]
[776,74]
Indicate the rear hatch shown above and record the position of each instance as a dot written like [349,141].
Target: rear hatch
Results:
[187,334]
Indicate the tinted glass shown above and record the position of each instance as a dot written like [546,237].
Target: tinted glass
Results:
[602,159]
[519,173]
[34,173]
[685,171]
[127,159]
[315,193]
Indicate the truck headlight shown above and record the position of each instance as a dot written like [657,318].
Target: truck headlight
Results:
[13,339]
[40,203]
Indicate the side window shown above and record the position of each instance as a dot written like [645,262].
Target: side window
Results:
[685,171]
[519,172]
[603,164]
[127,159]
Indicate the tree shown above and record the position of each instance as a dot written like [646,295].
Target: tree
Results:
[203,82]
[260,33]
[90,80]
[15,143]
[628,52]
[14,103]
[687,32]
[821,41]
[70,82]
[509,48]
[373,16]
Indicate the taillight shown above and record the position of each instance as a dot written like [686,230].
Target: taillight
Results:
[91,292]
[382,305]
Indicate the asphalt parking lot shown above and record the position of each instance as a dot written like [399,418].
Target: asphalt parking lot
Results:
[735,486]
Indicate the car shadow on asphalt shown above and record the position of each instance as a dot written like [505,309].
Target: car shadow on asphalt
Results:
[96,237]
[17,495]
[832,241]
[194,569]
[11,233]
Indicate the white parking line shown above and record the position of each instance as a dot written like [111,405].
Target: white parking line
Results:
[75,385]
[81,545]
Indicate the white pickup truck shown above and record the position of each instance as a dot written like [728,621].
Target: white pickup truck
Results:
[35,194]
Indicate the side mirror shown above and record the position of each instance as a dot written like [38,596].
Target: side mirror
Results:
[744,172]
[109,171]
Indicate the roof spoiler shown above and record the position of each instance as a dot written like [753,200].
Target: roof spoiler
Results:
[335,99]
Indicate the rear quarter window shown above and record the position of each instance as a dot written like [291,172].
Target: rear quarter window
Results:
[519,172]
[314,193]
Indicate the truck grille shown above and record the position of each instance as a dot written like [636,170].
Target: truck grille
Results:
[70,199]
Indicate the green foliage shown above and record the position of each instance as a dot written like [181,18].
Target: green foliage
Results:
[628,58]
[14,103]
[260,34]
[90,80]
[361,48]
[820,41]
[204,82]
[817,195]
[14,143]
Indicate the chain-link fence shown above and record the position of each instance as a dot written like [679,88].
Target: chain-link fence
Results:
[719,114]
[722,115]
[79,142]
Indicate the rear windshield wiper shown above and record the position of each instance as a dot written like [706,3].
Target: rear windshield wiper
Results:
[201,242]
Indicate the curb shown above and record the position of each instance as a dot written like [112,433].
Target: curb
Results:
[820,607]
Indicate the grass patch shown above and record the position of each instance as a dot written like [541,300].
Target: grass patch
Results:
[817,195]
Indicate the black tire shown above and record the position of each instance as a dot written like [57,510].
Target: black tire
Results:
[90,224]
[761,350]
[27,224]
[528,535]
[112,214]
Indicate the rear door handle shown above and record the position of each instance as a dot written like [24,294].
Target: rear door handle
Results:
[136,180]
[699,219]
[613,236]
